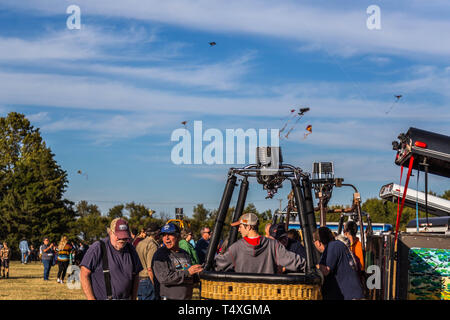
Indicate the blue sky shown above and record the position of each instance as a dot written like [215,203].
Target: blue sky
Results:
[108,96]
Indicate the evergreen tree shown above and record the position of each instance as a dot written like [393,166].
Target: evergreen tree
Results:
[32,185]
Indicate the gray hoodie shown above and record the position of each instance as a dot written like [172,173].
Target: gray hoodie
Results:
[261,258]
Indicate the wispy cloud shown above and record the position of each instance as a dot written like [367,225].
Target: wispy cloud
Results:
[337,29]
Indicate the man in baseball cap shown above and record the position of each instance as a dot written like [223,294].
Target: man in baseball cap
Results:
[120,228]
[249,219]
[120,281]
[146,250]
[174,273]
[256,254]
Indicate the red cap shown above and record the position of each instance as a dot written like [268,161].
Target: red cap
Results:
[120,228]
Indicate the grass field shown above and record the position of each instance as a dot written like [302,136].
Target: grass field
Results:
[26,282]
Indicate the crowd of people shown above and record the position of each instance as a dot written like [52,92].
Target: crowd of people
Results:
[164,262]
[50,254]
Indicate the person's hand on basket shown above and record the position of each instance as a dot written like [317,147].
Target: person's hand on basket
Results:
[196,268]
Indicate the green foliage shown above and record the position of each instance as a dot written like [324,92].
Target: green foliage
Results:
[382,211]
[446,195]
[201,217]
[32,185]
[91,225]
[116,212]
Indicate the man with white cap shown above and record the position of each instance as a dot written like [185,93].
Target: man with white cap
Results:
[257,254]
[110,267]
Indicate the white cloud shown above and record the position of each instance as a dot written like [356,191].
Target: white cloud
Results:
[38,117]
[340,30]
[218,76]
[91,42]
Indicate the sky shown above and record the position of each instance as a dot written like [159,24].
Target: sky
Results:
[108,96]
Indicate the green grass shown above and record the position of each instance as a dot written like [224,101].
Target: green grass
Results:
[26,282]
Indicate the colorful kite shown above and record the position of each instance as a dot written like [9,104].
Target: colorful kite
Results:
[309,129]
[299,115]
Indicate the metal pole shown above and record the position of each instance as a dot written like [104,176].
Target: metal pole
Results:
[426,189]
[323,217]
[239,209]
[341,223]
[221,215]
[361,228]
[307,236]
[309,211]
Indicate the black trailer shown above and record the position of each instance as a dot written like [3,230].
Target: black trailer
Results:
[431,151]
[415,264]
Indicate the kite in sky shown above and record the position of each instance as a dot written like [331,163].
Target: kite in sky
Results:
[83,174]
[300,114]
[397,98]
[309,129]
[212,44]
[289,118]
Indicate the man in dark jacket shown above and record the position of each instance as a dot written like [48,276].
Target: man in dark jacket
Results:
[338,266]
[256,254]
[172,266]
[202,244]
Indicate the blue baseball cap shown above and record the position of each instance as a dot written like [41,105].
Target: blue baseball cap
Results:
[170,228]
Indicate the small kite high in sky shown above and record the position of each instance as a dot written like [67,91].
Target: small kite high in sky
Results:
[212,44]
[184,123]
[300,114]
[83,174]
[397,98]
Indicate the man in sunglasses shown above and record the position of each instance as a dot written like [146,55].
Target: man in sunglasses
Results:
[202,245]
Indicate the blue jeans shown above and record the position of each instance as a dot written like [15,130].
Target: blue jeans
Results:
[146,290]
[47,267]
[24,256]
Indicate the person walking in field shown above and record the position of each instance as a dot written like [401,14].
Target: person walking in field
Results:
[47,254]
[63,257]
[5,254]
[24,250]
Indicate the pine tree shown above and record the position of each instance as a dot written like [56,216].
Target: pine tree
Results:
[32,185]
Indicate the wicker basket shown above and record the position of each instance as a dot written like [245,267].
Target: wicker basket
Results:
[263,288]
